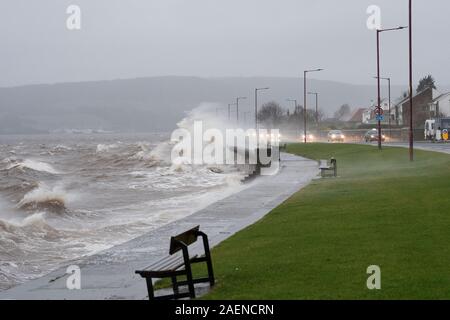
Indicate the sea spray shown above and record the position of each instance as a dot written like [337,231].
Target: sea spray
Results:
[106,197]
[44,198]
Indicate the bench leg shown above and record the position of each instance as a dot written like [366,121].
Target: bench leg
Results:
[210,271]
[208,259]
[151,293]
[190,280]
[175,285]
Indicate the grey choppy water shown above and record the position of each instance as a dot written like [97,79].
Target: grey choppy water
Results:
[67,196]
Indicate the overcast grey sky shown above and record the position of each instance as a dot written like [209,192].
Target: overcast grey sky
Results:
[139,38]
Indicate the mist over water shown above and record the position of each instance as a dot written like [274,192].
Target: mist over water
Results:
[67,196]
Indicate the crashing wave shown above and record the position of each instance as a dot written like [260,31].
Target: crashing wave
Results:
[33,165]
[42,198]
[105,147]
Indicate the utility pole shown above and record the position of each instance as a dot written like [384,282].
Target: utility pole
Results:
[411,133]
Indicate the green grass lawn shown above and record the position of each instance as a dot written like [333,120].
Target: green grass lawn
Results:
[381,210]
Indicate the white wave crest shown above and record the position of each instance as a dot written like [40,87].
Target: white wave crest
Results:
[34,165]
[105,147]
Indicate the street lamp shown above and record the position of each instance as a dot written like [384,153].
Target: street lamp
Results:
[317,107]
[237,107]
[256,106]
[229,110]
[304,97]
[411,135]
[378,109]
[389,98]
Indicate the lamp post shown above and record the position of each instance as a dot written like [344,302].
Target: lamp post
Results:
[389,98]
[317,106]
[411,134]
[378,109]
[229,110]
[256,106]
[304,98]
[237,107]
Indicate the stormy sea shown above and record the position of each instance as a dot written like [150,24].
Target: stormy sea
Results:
[67,196]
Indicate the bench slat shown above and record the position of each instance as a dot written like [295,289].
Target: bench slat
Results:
[169,263]
[163,261]
[161,264]
[173,266]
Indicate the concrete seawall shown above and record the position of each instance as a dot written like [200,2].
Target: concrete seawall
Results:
[110,273]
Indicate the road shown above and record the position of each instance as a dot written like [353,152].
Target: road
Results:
[428,146]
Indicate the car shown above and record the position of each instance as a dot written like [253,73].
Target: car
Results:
[372,135]
[309,137]
[336,136]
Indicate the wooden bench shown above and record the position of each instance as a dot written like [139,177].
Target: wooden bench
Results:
[325,167]
[176,264]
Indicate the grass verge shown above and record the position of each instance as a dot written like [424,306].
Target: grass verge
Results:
[382,210]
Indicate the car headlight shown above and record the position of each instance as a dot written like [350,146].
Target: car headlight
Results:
[333,136]
[372,136]
[342,137]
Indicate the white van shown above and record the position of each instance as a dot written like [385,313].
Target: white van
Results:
[434,127]
[430,129]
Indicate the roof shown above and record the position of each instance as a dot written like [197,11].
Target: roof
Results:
[357,115]
[415,95]
[441,97]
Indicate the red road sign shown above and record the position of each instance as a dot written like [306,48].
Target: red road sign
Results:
[379,111]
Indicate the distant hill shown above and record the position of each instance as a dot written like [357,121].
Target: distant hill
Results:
[157,103]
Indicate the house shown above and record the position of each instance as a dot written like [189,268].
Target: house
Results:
[440,106]
[428,103]
[369,116]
